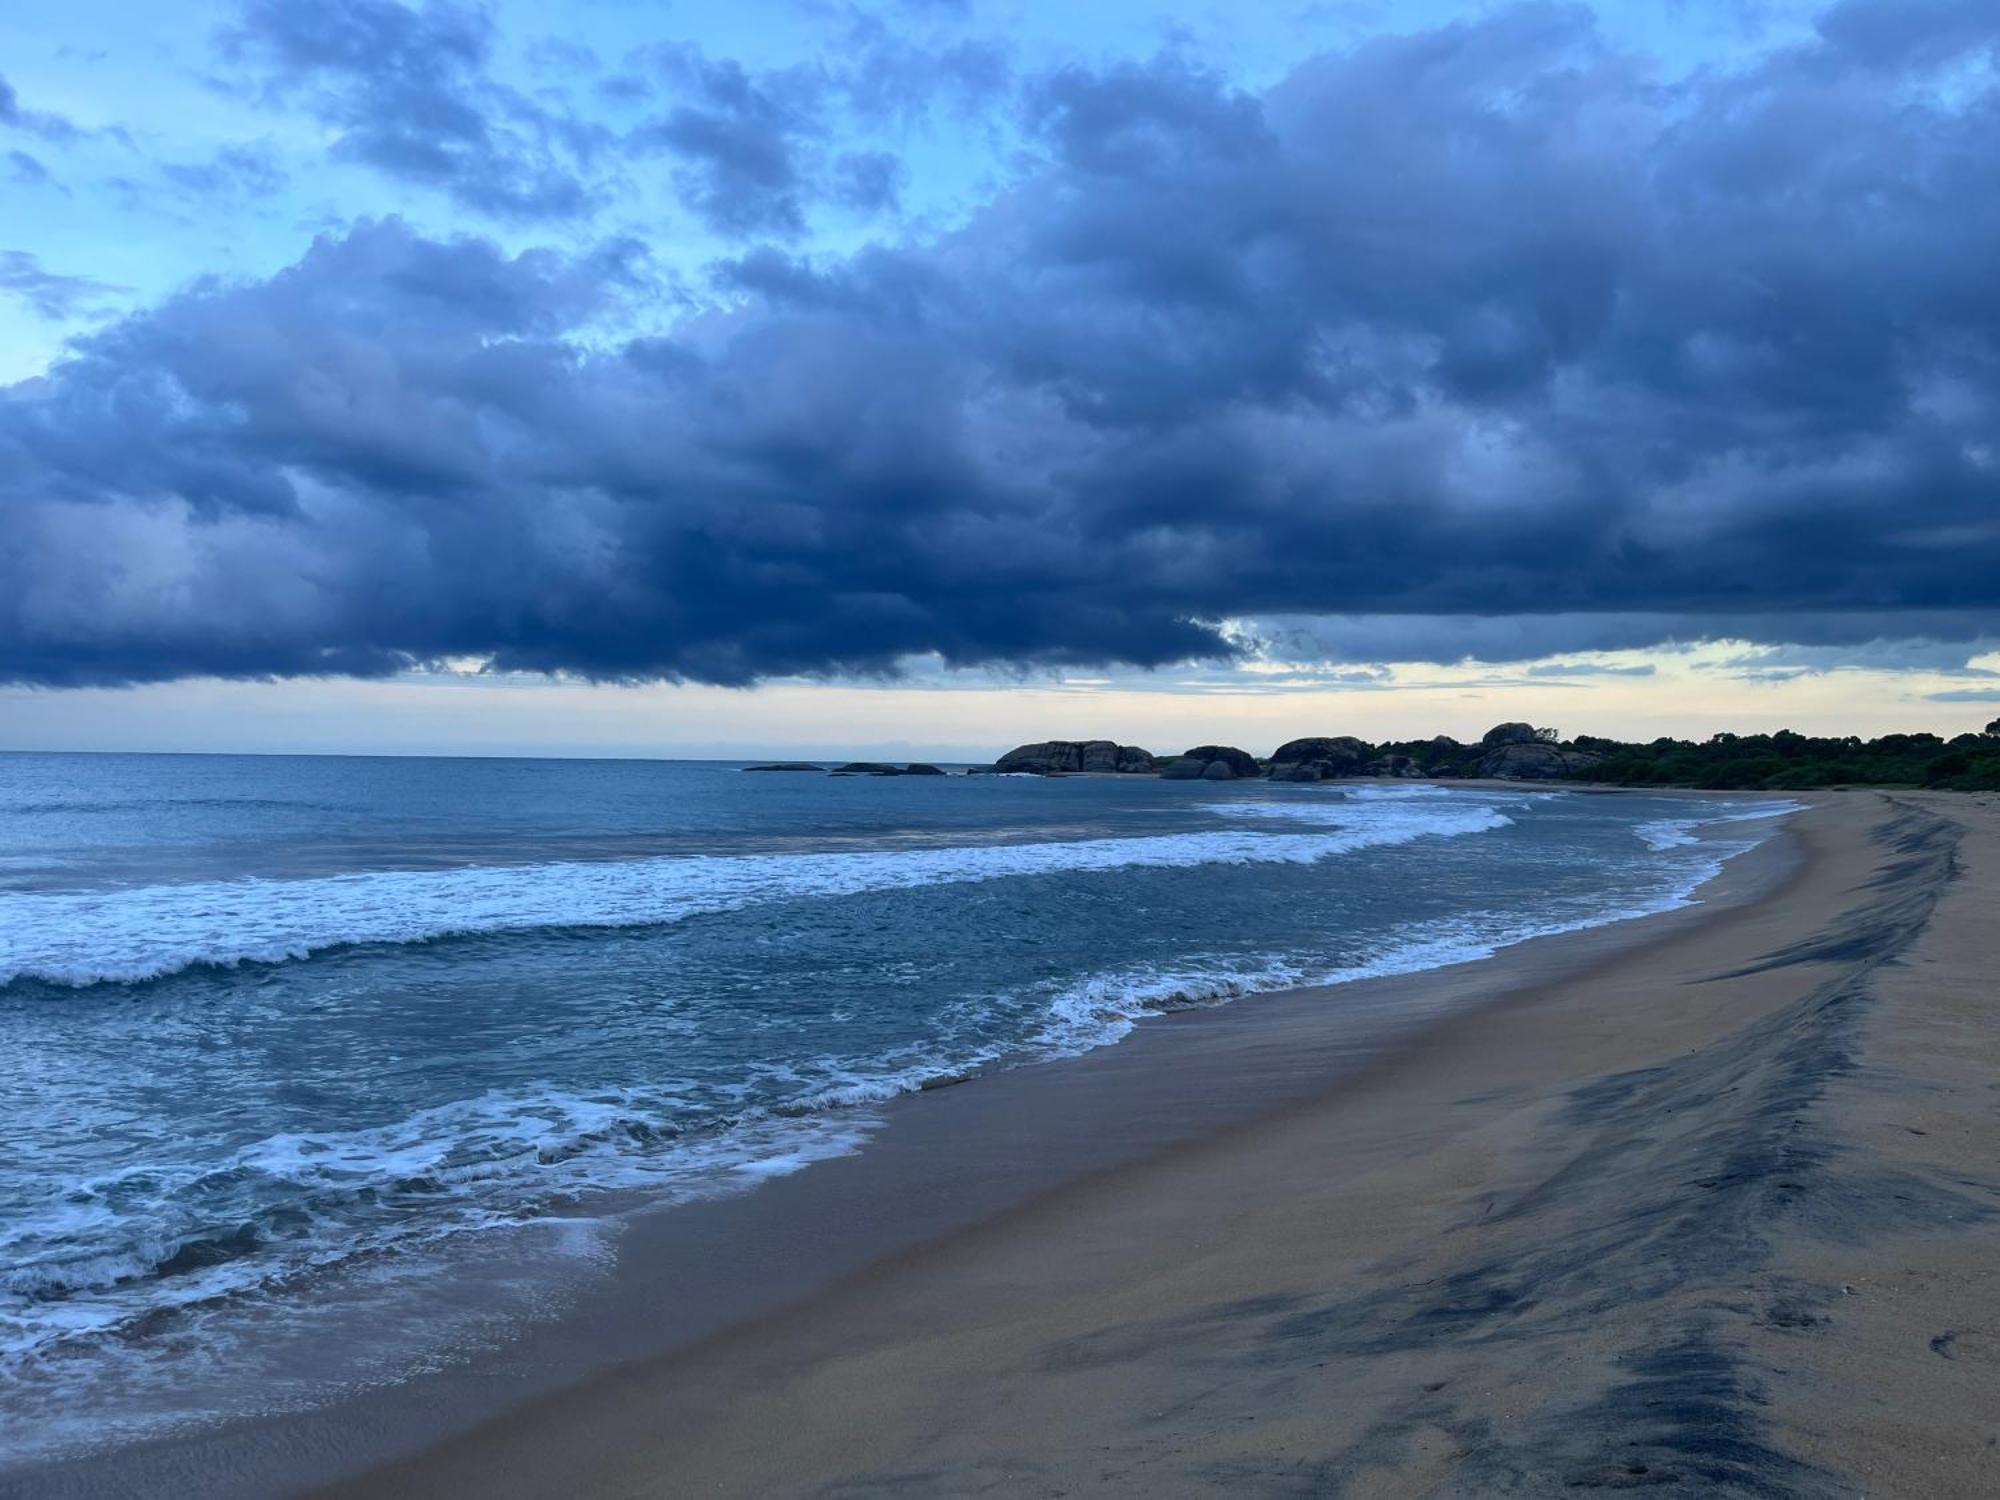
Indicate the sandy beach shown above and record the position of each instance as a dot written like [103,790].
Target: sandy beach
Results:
[1713,1212]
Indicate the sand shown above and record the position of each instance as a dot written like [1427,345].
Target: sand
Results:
[1711,1212]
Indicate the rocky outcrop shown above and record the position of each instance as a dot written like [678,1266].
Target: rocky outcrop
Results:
[1393,765]
[1057,757]
[1512,752]
[1320,758]
[1536,762]
[922,768]
[879,768]
[1213,763]
[787,765]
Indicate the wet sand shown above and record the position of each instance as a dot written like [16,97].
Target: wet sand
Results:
[1702,1203]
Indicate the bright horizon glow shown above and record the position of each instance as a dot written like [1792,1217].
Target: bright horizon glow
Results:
[1688,695]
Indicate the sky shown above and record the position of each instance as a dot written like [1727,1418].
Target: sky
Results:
[929,376]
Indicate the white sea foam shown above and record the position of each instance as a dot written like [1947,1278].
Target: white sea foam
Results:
[1105,1007]
[90,1257]
[1678,833]
[127,936]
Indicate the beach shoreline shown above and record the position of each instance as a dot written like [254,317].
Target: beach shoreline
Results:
[825,1303]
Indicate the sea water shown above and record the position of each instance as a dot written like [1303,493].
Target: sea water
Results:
[287,1039]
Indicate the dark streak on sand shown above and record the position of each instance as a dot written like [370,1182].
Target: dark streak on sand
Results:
[1658,1223]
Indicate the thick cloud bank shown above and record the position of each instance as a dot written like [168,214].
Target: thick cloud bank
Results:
[1480,321]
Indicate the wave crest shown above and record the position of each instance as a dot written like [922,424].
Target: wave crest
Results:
[132,936]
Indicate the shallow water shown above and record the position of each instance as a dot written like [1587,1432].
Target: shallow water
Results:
[291,1034]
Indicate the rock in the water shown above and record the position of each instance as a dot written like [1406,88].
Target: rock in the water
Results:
[1054,757]
[922,768]
[787,765]
[1509,734]
[866,768]
[1536,762]
[1319,758]
[1217,770]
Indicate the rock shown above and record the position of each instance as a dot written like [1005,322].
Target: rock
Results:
[1100,755]
[921,768]
[1319,758]
[1536,762]
[1194,764]
[1394,765]
[1054,757]
[1446,757]
[1050,758]
[1311,771]
[787,765]
[1510,734]
[1240,762]
[866,768]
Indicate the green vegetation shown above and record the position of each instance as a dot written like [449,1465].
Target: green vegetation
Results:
[1970,762]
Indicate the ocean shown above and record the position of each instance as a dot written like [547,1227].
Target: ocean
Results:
[393,1046]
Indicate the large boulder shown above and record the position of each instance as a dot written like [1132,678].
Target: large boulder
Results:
[1536,762]
[1057,757]
[1049,758]
[1319,758]
[1509,734]
[1213,763]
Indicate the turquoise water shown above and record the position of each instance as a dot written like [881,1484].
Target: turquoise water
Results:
[281,1035]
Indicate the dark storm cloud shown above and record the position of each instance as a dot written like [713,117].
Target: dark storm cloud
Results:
[1478,336]
[408,90]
